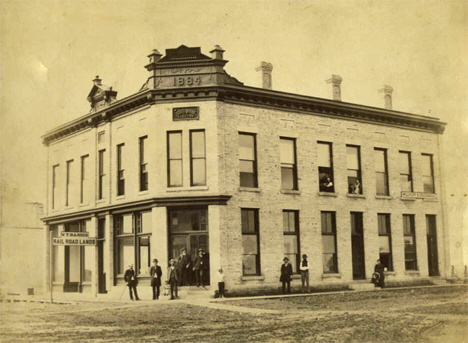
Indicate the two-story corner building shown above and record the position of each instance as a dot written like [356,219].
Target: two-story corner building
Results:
[196,159]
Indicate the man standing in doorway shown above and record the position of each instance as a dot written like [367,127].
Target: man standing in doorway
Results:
[199,267]
[132,282]
[183,266]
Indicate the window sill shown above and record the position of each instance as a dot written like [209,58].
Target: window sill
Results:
[84,205]
[361,196]
[120,197]
[187,189]
[253,278]
[328,194]
[331,276]
[249,189]
[143,193]
[66,208]
[412,272]
[290,191]
[385,197]
[101,201]
[408,199]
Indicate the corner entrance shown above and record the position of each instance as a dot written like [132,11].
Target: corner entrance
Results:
[188,228]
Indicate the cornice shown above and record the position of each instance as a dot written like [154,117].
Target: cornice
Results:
[251,96]
[220,199]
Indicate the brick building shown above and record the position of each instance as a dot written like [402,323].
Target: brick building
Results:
[196,159]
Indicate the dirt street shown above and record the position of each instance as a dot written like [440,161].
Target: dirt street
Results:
[434,314]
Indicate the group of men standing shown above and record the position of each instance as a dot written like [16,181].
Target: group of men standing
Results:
[179,273]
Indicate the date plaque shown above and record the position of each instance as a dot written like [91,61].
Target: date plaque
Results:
[185,113]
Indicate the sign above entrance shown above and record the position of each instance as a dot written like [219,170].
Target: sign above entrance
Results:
[74,238]
[74,234]
[185,113]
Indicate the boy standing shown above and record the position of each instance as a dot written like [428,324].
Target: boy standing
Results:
[220,277]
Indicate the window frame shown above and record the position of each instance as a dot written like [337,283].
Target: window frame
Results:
[55,169]
[289,165]
[410,169]
[332,178]
[413,235]
[334,234]
[295,233]
[83,178]
[254,161]
[385,173]
[169,159]
[255,233]
[120,170]
[431,165]
[192,183]
[388,234]
[101,173]
[143,165]
[68,182]
[359,170]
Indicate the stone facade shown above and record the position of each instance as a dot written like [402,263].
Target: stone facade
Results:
[186,78]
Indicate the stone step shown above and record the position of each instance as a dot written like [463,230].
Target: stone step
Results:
[361,286]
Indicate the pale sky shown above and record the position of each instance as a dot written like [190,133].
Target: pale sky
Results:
[51,51]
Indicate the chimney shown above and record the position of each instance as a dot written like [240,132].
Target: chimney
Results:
[266,69]
[155,56]
[97,81]
[335,80]
[217,53]
[387,90]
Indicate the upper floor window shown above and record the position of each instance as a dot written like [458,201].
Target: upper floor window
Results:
[143,165]
[248,160]
[406,175]
[385,240]
[68,182]
[55,170]
[428,173]
[84,179]
[410,242]
[353,164]
[288,163]
[120,170]
[325,167]
[174,155]
[381,171]
[102,173]
[197,158]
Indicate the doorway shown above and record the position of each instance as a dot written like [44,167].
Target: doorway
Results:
[357,243]
[432,256]
[102,288]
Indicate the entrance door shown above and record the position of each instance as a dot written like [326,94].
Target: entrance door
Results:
[188,229]
[101,263]
[432,256]
[72,269]
[357,242]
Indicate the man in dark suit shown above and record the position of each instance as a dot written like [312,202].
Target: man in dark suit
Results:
[380,269]
[132,282]
[172,278]
[183,266]
[286,275]
[200,267]
[156,274]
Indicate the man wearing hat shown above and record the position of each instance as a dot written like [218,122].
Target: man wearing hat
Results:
[131,280]
[286,275]
[183,266]
[304,269]
[172,278]
[199,267]
[156,274]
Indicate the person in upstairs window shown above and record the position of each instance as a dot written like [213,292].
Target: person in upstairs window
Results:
[132,282]
[286,275]
[357,187]
[304,269]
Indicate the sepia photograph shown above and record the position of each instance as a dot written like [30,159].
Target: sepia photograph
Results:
[233,171]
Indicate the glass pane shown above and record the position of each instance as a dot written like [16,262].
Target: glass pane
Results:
[144,265]
[249,244]
[246,147]
[404,163]
[74,264]
[352,161]
[290,244]
[198,172]
[126,253]
[405,183]
[428,184]
[175,145]
[249,264]
[89,259]
[287,151]
[328,261]
[407,225]
[383,227]
[328,244]
[198,144]
[146,221]
[287,178]
[381,184]
[426,165]
[177,243]
[187,220]
[327,225]
[247,180]
[409,244]
[248,221]
[324,155]
[246,167]
[379,160]
[384,244]
[175,176]
[127,223]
